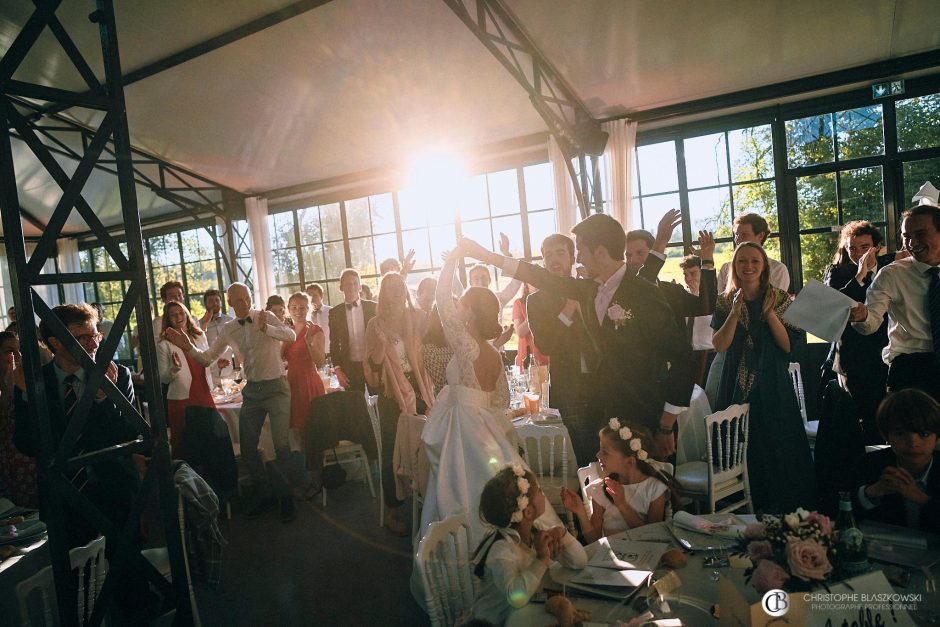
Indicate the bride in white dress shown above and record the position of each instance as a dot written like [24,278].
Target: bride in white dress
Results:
[468,437]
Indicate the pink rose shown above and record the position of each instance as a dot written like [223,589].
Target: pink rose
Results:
[768,576]
[759,549]
[807,559]
[823,522]
[755,531]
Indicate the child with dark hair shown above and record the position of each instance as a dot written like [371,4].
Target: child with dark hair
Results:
[634,491]
[513,557]
[900,485]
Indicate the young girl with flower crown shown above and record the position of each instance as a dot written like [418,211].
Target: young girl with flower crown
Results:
[633,492]
[513,557]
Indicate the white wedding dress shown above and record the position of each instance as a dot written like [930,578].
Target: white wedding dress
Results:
[468,437]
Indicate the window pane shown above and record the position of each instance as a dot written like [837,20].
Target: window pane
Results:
[658,171]
[201,276]
[331,222]
[539,186]
[671,270]
[282,229]
[862,195]
[816,200]
[752,153]
[335,259]
[809,140]
[710,210]
[357,217]
[918,122]
[164,251]
[309,222]
[410,210]
[916,173]
[512,227]
[861,132]
[706,161]
[443,238]
[386,246]
[314,268]
[816,251]
[333,294]
[541,225]
[285,267]
[656,207]
[160,276]
[476,204]
[758,198]
[383,213]
[478,231]
[504,192]
[361,255]
[418,240]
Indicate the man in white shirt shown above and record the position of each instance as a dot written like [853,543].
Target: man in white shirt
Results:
[256,336]
[908,290]
[212,322]
[320,313]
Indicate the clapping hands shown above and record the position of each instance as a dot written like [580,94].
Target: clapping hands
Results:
[896,480]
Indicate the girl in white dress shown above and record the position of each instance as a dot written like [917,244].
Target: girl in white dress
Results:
[468,437]
[512,559]
[633,492]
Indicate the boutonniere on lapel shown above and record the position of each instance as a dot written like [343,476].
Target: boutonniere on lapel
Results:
[618,315]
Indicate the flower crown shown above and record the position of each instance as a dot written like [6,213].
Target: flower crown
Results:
[522,501]
[636,445]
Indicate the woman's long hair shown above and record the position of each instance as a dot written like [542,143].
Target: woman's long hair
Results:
[734,282]
[192,327]
[391,282]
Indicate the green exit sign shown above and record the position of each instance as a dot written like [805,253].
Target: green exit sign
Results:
[887,89]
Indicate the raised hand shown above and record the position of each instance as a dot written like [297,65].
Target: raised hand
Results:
[770,301]
[408,263]
[471,249]
[178,338]
[706,246]
[667,224]
[614,490]
[867,263]
[571,501]
[543,546]
[504,245]
[737,303]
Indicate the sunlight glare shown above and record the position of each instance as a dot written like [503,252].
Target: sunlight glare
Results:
[437,182]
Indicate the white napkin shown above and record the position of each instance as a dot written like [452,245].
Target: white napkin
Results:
[821,310]
[926,195]
[722,529]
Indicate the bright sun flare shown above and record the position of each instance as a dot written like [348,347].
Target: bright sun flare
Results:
[437,182]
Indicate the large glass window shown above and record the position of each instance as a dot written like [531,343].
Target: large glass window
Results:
[109,293]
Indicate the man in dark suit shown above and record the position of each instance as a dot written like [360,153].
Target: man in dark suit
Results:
[348,329]
[630,322]
[559,332]
[110,485]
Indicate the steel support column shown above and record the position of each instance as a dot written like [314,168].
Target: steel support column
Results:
[578,134]
[57,463]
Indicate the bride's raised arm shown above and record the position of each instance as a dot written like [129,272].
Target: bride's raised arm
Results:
[454,329]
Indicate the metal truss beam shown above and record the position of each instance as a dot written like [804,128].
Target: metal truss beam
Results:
[577,132]
[171,181]
[204,47]
[57,460]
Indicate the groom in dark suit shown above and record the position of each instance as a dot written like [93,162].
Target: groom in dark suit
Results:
[348,329]
[631,324]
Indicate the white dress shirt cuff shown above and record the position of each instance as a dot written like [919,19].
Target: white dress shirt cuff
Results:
[866,502]
[673,409]
[656,253]
[565,320]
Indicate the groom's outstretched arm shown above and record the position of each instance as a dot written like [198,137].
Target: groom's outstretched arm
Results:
[567,287]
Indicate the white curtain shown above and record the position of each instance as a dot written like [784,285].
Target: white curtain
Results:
[619,170]
[566,202]
[262,261]
[70,262]
[48,293]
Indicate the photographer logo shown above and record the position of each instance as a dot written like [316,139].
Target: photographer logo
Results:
[776,602]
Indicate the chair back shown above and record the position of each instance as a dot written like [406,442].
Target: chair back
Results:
[797,380]
[92,568]
[446,570]
[670,470]
[537,440]
[726,433]
[586,475]
[43,584]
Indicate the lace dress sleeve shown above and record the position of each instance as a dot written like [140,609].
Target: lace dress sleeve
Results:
[465,347]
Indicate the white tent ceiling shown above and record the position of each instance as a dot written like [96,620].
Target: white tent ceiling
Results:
[359,85]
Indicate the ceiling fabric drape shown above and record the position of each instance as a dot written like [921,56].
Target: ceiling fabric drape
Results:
[70,262]
[262,261]
[566,203]
[619,168]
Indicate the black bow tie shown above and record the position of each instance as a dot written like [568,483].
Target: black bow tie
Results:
[351,305]
[244,320]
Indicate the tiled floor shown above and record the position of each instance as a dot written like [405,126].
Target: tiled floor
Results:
[332,566]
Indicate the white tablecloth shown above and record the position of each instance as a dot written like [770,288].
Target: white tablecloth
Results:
[690,445]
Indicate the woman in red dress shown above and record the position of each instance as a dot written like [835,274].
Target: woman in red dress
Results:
[526,341]
[304,356]
[188,380]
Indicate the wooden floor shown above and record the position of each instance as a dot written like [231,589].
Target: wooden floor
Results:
[330,566]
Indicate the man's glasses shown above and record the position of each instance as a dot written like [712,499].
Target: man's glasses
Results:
[88,338]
